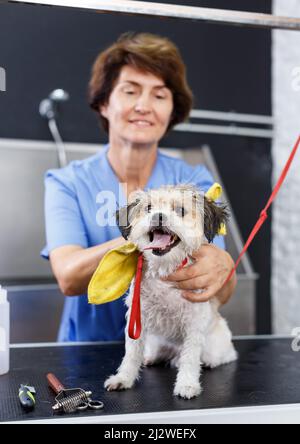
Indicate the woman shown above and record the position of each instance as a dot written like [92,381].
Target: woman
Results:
[138,88]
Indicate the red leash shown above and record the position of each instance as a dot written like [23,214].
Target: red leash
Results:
[135,325]
[263,215]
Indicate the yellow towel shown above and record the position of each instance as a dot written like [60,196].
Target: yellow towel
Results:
[113,274]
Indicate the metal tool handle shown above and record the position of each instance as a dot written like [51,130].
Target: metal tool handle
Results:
[54,383]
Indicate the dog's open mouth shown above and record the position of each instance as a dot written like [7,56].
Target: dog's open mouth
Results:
[162,240]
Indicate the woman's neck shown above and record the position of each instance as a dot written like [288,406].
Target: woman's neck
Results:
[133,164]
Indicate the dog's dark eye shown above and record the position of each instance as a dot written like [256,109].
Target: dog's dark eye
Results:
[148,208]
[180,211]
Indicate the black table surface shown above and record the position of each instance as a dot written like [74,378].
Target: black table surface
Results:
[266,373]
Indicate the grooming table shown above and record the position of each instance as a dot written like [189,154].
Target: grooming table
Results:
[262,386]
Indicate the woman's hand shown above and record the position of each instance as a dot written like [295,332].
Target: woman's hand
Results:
[209,271]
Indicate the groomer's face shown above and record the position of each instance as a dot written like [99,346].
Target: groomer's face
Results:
[139,107]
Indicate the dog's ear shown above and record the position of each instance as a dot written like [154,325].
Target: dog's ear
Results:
[123,218]
[214,215]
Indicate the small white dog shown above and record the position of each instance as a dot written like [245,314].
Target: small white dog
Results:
[168,224]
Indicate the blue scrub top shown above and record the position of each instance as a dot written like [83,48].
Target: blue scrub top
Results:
[79,199]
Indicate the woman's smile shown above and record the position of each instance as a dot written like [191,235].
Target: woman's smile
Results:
[141,123]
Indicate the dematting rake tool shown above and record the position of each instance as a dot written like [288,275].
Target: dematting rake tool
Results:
[71,400]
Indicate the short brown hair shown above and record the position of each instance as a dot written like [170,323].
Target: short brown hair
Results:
[148,53]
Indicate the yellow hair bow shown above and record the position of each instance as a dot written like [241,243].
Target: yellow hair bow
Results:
[214,193]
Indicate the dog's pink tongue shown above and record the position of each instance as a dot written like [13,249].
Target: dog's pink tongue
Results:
[160,240]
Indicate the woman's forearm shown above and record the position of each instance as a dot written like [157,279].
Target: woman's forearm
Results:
[74,266]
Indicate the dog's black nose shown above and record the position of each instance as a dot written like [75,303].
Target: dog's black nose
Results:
[158,220]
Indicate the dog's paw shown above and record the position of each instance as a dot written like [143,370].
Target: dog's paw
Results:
[117,382]
[187,391]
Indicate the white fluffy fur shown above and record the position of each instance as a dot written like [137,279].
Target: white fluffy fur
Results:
[173,329]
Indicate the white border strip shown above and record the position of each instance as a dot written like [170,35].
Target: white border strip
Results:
[62,344]
[41,145]
[229,130]
[72,344]
[269,414]
[88,148]
[268,337]
[30,287]
[176,11]
[259,119]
